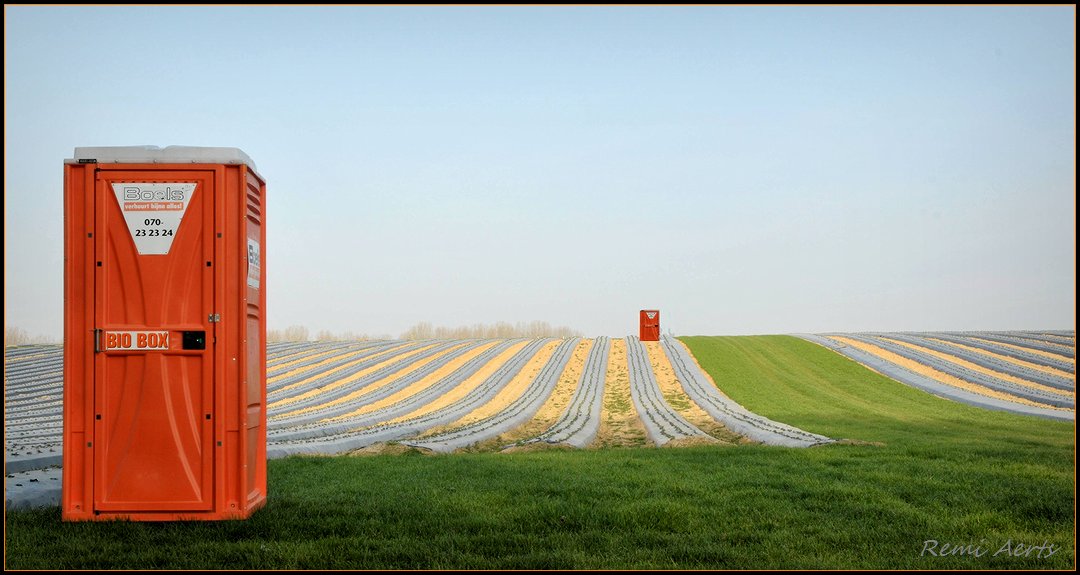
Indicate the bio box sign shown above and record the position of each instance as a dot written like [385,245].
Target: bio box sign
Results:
[135,340]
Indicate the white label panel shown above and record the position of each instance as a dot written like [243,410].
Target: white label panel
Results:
[153,213]
[254,263]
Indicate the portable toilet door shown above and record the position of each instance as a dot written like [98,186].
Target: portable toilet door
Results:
[164,347]
[650,325]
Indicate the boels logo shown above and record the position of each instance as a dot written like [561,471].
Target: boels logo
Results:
[137,194]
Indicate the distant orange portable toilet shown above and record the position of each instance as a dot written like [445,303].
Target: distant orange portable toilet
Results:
[650,325]
[164,325]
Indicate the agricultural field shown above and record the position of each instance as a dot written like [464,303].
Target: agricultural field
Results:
[942,411]
[445,395]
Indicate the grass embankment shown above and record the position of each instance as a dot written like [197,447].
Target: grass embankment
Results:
[944,472]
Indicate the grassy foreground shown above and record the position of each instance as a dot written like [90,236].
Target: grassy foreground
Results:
[945,472]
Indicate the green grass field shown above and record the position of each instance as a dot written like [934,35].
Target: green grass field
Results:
[935,470]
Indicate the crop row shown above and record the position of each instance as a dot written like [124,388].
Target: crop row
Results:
[1032,373]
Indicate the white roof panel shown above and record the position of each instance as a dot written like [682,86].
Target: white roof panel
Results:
[158,155]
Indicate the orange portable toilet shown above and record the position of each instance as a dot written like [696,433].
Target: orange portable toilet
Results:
[650,325]
[164,334]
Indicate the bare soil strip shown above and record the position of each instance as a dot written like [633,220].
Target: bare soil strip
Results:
[411,367]
[554,407]
[471,383]
[937,375]
[507,395]
[682,404]
[327,356]
[986,371]
[1043,368]
[322,372]
[515,413]
[419,385]
[296,357]
[619,422]
[1046,354]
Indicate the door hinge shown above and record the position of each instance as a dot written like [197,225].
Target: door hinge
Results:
[97,340]
[215,317]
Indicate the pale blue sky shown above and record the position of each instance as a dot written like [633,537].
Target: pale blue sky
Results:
[743,169]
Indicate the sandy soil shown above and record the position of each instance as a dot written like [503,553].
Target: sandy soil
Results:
[511,392]
[411,367]
[1029,350]
[676,397]
[383,448]
[619,422]
[319,373]
[538,446]
[337,353]
[699,440]
[419,385]
[470,383]
[555,405]
[1061,346]
[1013,360]
[292,358]
[935,374]
[345,380]
[983,370]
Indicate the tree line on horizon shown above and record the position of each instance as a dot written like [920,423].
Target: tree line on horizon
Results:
[423,330]
[18,336]
[426,330]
